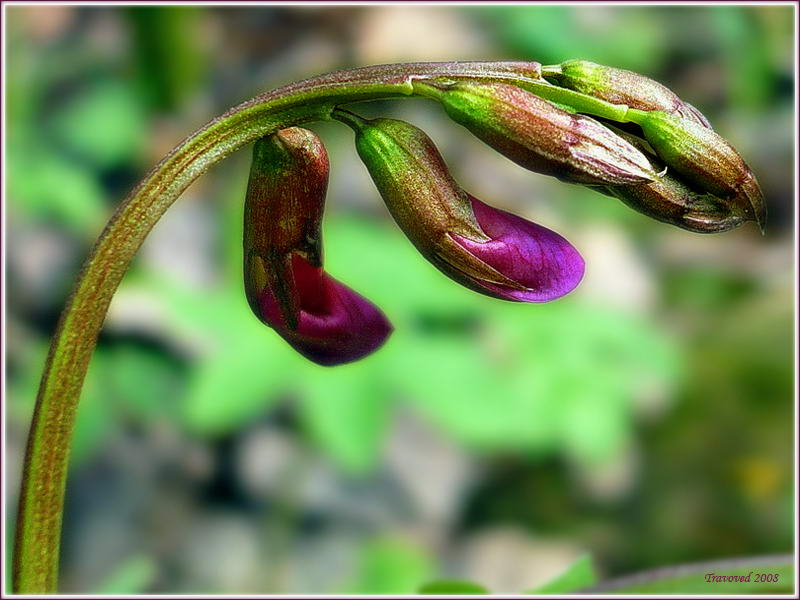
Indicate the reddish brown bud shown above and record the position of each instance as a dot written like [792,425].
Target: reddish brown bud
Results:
[286,287]
[671,200]
[541,137]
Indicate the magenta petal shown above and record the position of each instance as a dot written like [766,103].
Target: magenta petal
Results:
[532,255]
[335,325]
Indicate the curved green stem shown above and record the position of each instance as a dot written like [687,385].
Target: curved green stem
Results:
[38,532]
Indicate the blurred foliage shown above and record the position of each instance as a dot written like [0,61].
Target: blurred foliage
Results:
[390,566]
[452,587]
[170,63]
[461,348]
[552,34]
[134,576]
[578,576]
[691,395]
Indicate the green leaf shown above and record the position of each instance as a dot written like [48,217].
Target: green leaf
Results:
[229,388]
[145,383]
[170,52]
[538,31]
[579,575]
[390,566]
[242,367]
[452,587]
[104,123]
[345,411]
[508,381]
[44,186]
[243,376]
[391,273]
[133,576]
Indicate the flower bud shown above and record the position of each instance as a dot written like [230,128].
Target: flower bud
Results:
[670,200]
[286,287]
[620,86]
[541,137]
[487,250]
[706,161]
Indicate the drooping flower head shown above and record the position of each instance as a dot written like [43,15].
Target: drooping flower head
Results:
[704,185]
[487,250]
[286,286]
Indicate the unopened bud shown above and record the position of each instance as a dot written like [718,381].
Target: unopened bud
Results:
[670,200]
[706,161]
[286,287]
[620,86]
[487,250]
[541,137]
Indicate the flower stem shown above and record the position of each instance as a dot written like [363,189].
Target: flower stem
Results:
[38,530]
[355,122]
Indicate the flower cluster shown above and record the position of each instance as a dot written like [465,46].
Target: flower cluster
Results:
[663,160]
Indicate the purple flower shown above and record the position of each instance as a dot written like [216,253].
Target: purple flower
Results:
[334,324]
[286,286]
[544,264]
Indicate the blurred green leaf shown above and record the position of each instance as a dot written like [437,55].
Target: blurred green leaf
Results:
[243,367]
[579,575]
[705,287]
[169,52]
[749,72]
[452,587]
[512,383]
[133,576]
[103,124]
[122,380]
[230,388]
[346,414]
[390,566]
[42,186]
[145,383]
[391,273]
[552,34]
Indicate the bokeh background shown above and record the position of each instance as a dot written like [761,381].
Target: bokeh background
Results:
[645,420]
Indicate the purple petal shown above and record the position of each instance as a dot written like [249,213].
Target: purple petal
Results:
[533,256]
[335,325]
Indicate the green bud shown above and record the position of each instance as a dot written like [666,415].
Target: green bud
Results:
[541,137]
[706,161]
[620,86]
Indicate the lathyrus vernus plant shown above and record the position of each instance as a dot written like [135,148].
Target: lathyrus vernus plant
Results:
[562,120]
